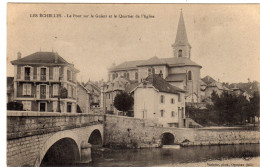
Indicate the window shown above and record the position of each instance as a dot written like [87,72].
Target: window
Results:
[27,72]
[43,74]
[69,91]
[162,113]
[179,98]
[116,75]
[27,105]
[136,75]
[69,75]
[113,76]
[180,53]
[173,114]
[127,75]
[55,90]
[27,89]
[56,73]
[189,75]
[172,100]
[74,92]
[54,106]
[162,98]
[151,70]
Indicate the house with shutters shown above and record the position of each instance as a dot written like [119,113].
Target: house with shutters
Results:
[44,81]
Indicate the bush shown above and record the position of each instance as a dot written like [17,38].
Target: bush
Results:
[14,106]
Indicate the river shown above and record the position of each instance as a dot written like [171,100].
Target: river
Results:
[170,157]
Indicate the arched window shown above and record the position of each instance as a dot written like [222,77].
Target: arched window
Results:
[151,70]
[180,53]
[189,75]
[136,75]
[113,76]
[162,98]
[125,74]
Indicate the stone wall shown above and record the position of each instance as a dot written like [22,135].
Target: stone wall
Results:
[132,132]
[31,134]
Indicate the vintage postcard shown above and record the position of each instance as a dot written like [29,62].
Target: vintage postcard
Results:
[133,85]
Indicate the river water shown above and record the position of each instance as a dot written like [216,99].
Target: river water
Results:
[169,156]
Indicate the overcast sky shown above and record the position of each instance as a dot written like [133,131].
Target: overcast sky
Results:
[225,39]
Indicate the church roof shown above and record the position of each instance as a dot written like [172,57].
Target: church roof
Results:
[153,61]
[176,77]
[172,62]
[181,36]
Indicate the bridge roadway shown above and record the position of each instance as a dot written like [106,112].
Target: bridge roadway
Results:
[38,139]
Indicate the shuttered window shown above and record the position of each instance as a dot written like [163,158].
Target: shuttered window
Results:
[27,89]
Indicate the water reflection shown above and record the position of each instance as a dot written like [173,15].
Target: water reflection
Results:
[163,156]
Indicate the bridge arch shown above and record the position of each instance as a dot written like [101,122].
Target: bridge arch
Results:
[95,137]
[59,140]
[167,138]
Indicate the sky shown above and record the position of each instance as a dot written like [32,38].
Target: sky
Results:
[225,39]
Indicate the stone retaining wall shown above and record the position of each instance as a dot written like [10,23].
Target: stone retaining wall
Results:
[131,132]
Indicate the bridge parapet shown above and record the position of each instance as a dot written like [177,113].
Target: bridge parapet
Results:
[28,123]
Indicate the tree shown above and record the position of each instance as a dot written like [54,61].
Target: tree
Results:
[14,106]
[123,102]
[254,106]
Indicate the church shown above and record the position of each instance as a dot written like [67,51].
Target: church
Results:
[178,70]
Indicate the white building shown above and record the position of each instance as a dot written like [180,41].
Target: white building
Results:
[156,99]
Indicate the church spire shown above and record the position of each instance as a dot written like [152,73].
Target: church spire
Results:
[181,46]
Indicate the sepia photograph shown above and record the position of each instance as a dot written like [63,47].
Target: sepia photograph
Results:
[140,85]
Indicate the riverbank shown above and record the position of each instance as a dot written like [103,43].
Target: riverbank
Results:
[235,162]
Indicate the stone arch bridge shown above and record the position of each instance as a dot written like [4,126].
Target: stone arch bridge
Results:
[39,139]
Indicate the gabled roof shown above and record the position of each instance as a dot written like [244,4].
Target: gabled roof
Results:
[207,79]
[179,61]
[129,88]
[162,85]
[80,85]
[176,77]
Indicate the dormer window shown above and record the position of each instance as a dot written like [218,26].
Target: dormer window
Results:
[180,53]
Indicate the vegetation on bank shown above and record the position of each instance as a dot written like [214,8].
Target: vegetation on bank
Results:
[226,109]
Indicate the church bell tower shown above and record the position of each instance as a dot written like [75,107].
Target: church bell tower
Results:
[181,47]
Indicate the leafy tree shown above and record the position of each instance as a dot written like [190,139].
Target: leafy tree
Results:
[14,106]
[254,106]
[123,102]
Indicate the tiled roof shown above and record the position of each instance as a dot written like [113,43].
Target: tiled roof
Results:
[162,85]
[173,62]
[129,88]
[41,57]
[176,77]
[127,65]
[207,79]
[153,61]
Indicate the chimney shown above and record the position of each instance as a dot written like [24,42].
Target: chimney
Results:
[19,55]
[56,58]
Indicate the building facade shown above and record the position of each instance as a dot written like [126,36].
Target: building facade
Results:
[178,70]
[156,99]
[44,81]
[83,98]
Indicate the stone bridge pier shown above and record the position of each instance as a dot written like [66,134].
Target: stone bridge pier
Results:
[42,139]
